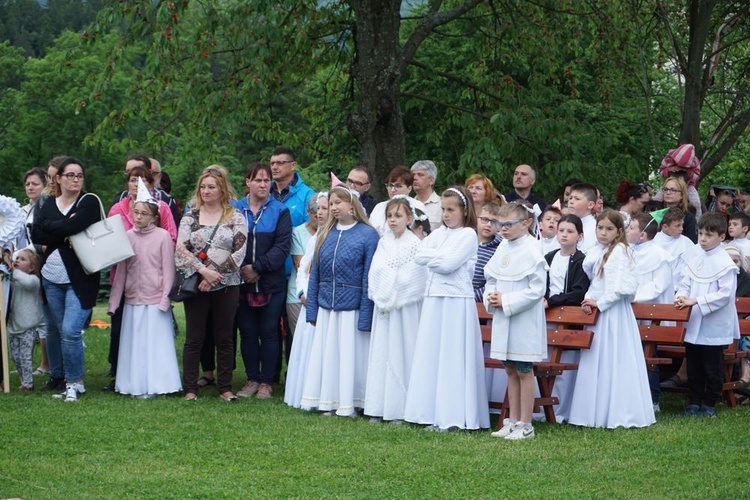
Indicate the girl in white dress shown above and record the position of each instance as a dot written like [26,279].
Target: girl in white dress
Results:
[514,294]
[612,389]
[397,289]
[304,331]
[337,305]
[447,384]
[147,360]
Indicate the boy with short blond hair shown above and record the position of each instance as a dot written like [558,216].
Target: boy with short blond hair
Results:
[709,285]
[582,202]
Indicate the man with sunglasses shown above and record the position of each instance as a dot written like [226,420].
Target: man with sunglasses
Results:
[359,179]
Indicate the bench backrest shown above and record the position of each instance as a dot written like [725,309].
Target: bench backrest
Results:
[743,311]
[656,313]
[571,316]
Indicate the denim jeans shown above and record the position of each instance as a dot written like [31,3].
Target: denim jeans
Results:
[259,337]
[54,351]
[68,318]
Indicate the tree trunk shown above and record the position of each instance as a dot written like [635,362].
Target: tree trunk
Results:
[377,124]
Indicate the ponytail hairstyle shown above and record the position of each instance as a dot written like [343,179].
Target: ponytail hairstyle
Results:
[343,193]
[617,220]
[572,219]
[464,199]
[626,190]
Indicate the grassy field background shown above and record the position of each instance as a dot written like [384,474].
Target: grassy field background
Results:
[112,446]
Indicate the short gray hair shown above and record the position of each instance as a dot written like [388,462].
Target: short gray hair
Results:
[427,166]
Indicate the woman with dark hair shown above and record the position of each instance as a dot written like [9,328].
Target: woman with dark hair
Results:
[263,289]
[631,197]
[399,181]
[71,293]
[34,181]
[211,241]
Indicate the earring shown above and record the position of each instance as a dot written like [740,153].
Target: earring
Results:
[351,212]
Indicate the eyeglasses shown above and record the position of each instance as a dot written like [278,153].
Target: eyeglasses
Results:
[508,225]
[670,190]
[281,162]
[394,186]
[138,213]
[356,184]
[493,222]
[70,176]
[212,171]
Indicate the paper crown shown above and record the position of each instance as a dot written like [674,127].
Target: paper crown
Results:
[335,181]
[658,215]
[144,196]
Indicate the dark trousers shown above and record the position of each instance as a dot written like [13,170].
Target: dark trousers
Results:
[208,352]
[222,304]
[259,338]
[114,336]
[705,371]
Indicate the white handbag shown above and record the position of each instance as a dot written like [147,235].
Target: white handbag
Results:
[102,244]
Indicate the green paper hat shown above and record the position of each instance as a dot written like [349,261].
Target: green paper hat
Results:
[658,215]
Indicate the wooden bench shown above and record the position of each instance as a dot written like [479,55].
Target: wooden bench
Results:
[565,336]
[655,334]
[732,356]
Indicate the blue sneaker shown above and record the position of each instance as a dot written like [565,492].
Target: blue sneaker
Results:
[691,411]
[707,411]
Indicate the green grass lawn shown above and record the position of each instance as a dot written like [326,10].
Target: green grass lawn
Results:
[108,445]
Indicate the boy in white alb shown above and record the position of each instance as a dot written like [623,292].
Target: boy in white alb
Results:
[582,202]
[739,225]
[671,239]
[653,270]
[550,219]
[709,285]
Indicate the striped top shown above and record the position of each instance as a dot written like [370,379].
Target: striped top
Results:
[485,251]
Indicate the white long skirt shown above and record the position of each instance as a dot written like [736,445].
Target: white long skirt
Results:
[611,387]
[392,341]
[337,368]
[447,384]
[147,359]
[297,367]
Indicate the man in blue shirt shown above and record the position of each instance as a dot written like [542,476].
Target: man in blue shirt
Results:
[288,188]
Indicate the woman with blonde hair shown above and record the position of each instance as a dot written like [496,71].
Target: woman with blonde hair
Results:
[337,304]
[675,193]
[211,241]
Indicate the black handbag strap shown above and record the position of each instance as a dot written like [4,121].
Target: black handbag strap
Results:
[210,240]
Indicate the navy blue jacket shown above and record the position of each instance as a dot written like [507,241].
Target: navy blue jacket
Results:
[338,281]
[269,240]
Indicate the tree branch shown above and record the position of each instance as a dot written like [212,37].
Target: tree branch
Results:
[429,23]
[456,79]
[740,124]
[445,104]
[661,12]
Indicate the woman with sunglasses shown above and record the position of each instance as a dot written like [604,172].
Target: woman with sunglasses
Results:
[211,241]
[70,292]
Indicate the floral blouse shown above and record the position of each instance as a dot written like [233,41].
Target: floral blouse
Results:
[225,253]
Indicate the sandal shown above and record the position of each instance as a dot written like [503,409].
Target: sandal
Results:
[40,372]
[205,382]
[673,382]
[231,398]
[191,396]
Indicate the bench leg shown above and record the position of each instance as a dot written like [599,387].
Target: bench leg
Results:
[546,383]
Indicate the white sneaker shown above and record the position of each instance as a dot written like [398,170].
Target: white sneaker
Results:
[71,393]
[520,431]
[78,389]
[505,430]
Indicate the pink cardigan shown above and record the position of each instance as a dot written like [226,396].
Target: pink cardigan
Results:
[122,208]
[147,277]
